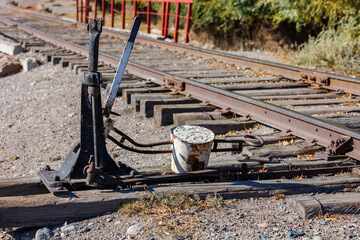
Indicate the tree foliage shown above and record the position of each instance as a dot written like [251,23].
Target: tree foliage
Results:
[317,13]
[225,15]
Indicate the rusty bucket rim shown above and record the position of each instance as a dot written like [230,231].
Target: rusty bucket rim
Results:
[210,141]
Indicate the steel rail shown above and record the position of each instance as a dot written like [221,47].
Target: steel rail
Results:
[306,127]
[324,80]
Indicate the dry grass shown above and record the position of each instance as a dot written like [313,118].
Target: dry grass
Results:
[335,49]
[168,203]
[174,214]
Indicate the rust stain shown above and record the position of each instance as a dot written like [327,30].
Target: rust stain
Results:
[195,164]
[193,160]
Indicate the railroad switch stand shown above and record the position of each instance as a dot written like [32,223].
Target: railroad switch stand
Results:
[88,164]
[88,158]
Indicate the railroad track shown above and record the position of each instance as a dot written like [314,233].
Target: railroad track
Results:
[178,85]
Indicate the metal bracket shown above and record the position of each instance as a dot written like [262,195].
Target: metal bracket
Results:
[337,149]
[53,182]
[172,83]
[342,145]
[315,78]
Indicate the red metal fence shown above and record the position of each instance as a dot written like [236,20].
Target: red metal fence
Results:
[83,7]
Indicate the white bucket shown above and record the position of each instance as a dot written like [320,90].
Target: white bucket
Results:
[191,148]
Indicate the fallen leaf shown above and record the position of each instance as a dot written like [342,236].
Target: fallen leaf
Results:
[279,197]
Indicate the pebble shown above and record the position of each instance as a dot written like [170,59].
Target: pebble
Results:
[317,237]
[264,236]
[107,217]
[43,234]
[68,228]
[223,229]
[294,234]
[133,230]
[84,229]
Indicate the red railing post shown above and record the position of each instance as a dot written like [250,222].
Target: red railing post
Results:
[135,8]
[87,11]
[112,13]
[77,10]
[165,14]
[95,8]
[162,18]
[148,16]
[187,26]
[81,11]
[177,21]
[103,11]
[123,14]
[166,25]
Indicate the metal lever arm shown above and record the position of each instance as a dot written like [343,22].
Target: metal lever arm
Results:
[121,68]
[124,137]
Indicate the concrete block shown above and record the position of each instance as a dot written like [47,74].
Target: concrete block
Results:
[127,92]
[164,113]
[137,97]
[147,106]
[182,118]
[29,63]
[10,48]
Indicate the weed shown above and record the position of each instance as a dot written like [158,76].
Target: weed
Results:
[175,214]
[43,80]
[336,48]
[168,203]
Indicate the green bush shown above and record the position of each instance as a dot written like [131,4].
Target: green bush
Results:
[224,15]
[335,22]
[316,13]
